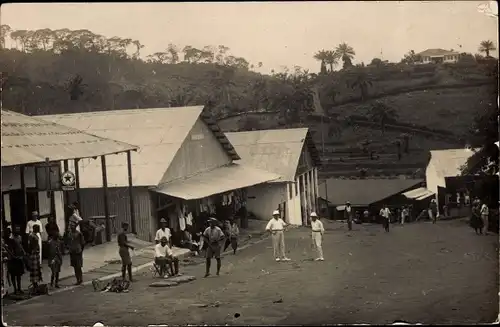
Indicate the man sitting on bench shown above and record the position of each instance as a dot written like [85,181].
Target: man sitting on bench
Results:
[165,257]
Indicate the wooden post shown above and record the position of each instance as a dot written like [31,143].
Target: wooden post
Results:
[106,200]
[65,193]
[25,194]
[77,182]
[131,192]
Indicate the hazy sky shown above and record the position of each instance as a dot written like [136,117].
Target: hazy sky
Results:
[284,33]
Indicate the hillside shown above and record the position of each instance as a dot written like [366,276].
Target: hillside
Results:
[368,108]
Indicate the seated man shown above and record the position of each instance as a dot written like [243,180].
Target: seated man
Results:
[164,256]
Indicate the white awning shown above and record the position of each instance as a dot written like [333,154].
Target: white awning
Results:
[418,194]
[216,181]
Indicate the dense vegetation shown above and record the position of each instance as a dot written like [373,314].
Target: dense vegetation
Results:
[63,71]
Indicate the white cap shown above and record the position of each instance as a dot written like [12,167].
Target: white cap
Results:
[98,324]
[276,212]
[313,214]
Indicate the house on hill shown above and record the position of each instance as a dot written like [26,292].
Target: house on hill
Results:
[438,56]
[363,194]
[292,155]
[185,164]
[32,152]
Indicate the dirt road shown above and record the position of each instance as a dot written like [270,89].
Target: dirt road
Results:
[439,274]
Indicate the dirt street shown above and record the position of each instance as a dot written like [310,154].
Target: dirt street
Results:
[435,274]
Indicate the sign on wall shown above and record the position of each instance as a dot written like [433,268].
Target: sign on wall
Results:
[68,181]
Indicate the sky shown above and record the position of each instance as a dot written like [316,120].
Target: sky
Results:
[276,33]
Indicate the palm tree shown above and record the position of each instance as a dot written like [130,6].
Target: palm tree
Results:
[345,50]
[322,56]
[486,47]
[382,113]
[332,59]
[362,83]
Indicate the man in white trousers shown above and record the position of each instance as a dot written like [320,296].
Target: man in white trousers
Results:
[276,227]
[317,235]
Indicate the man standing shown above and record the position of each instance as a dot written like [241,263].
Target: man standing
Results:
[214,236]
[164,231]
[124,252]
[385,213]
[317,235]
[404,215]
[276,226]
[234,233]
[433,210]
[348,214]
[76,245]
[484,216]
[35,220]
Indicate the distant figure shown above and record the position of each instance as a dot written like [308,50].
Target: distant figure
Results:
[348,214]
[433,212]
[51,227]
[405,214]
[475,220]
[35,221]
[213,236]
[76,245]
[317,235]
[276,227]
[35,264]
[385,213]
[124,252]
[467,198]
[366,215]
[16,254]
[75,219]
[234,233]
[484,211]
[55,258]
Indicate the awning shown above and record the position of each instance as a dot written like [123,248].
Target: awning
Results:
[418,194]
[216,181]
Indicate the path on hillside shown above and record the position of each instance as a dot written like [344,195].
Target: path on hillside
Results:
[421,272]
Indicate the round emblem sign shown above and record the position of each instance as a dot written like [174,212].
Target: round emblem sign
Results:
[68,178]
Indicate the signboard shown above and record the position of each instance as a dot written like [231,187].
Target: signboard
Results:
[68,181]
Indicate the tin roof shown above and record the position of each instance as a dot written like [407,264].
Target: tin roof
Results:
[218,180]
[276,150]
[363,192]
[437,53]
[418,193]
[159,132]
[27,139]
[449,163]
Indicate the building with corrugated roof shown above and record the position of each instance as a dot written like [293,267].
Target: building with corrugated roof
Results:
[184,162]
[289,153]
[32,151]
[438,56]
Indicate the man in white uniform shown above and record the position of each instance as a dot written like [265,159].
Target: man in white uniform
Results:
[29,229]
[276,226]
[164,231]
[484,216]
[317,235]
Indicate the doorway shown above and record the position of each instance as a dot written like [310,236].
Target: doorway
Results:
[19,213]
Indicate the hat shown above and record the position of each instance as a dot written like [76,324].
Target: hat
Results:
[347,202]
[276,212]
[313,214]
[163,220]
[34,213]
[164,238]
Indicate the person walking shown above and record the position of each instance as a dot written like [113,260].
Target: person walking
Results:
[55,258]
[433,212]
[317,235]
[234,233]
[405,214]
[475,220]
[214,236]
[484,211]
[16,255]
[124,252]
[348,214]
[76,245]
[276,227]
[385,213]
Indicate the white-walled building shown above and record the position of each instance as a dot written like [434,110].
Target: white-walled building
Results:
[442,164]
[183,159]
[32,150]
[438,56]
[290,153]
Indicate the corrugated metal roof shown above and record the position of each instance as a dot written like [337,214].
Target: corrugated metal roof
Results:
[27,139]
[219,180]
[437,52]
[159,132]
[276,150]
[418,193]
[361,192]
[449,163]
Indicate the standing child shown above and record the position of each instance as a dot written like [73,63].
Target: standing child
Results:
[124,247]
[55,258]
[234,234]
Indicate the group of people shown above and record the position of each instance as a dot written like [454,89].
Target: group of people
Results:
[479,217]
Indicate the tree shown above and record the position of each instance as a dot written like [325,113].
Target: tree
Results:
[486,47]
[138,47]
[382,114]
[363,83]
[321,56]
[173,53]
[4,33]
[346,52]
[411,57]
[376,62]
[75,87]
[332,59]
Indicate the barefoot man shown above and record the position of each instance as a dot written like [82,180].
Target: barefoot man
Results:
[214,236]
[276,226]
[317,235]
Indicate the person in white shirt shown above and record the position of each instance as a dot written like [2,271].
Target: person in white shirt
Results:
[317,235]
[164,258]
[164,231]
[404,215]
[29,229]
[214,236]
[484,216]
[276,226]
[385,213]
[348,214]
